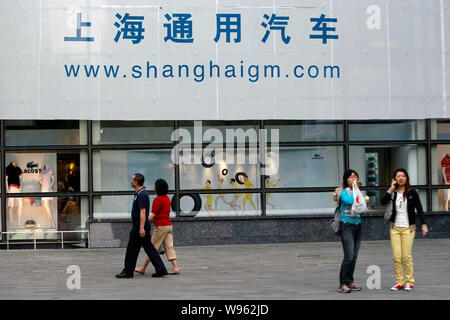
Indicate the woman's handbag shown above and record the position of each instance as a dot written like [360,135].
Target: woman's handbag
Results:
[388,210]
[335,222]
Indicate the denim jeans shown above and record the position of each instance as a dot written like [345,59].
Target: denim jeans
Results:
[351,240]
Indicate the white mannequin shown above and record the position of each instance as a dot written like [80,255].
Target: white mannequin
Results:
[47,179]
[14,203]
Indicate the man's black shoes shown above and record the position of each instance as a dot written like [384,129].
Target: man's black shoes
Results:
[159,275]
[124,275]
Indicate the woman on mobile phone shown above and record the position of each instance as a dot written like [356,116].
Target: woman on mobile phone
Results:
[350,232]
[405,201]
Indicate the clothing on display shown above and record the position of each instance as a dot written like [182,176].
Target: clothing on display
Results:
[13,173]
[445,164]
[47,179]
[14,202]
[13,179]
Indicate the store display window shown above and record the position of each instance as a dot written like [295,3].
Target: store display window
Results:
[43,172]
[113,169]
[376,164]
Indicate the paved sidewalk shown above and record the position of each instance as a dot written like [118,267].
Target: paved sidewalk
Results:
[272,271]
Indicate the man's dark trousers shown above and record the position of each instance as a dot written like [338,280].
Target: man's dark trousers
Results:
[134,246]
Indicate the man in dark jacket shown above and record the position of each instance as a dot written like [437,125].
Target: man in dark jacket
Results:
[140,232]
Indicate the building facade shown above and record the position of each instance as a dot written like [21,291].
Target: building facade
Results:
[251,110]
[87,166]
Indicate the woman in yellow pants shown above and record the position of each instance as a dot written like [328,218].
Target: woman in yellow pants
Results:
[405,201]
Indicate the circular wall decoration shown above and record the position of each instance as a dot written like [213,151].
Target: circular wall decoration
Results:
[238,176]
[213,161]
[197,204]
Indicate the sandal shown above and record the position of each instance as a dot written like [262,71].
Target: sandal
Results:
[140,272]
[174,273]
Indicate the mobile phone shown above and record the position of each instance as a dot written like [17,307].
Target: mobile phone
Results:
[394,182]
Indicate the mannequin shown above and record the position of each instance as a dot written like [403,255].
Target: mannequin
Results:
[71,178]
[47,178]
[445,164]
[13,183]
[269,184]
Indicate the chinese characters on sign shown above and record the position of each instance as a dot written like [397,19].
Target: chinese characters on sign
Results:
[318,27]
[79,25]
[179,28]
[132,28]
[276,23]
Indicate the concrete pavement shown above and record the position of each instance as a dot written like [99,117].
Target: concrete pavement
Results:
[269,271]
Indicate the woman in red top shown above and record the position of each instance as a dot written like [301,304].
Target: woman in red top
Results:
[162,231]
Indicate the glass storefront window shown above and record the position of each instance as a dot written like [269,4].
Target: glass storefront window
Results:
[387,130]
[228,131]
[303,131]
[45,132]
[191,205]
[301,203]
[376,196]
[131,132]
[226,170]
[117,207]
[441,200]
[220,205]
[113,169]
[440,130]
[239,167]
[376,164]
[47,171]
[44,215]
[305,167]
[440,163]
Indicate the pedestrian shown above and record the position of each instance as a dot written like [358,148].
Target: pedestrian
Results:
[163,230]
[405,201]
[140,232]
[349,231]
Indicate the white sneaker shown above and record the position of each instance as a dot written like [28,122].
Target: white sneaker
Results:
[409,287]
[397,287]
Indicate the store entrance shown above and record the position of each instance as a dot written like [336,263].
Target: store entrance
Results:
[68,182]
